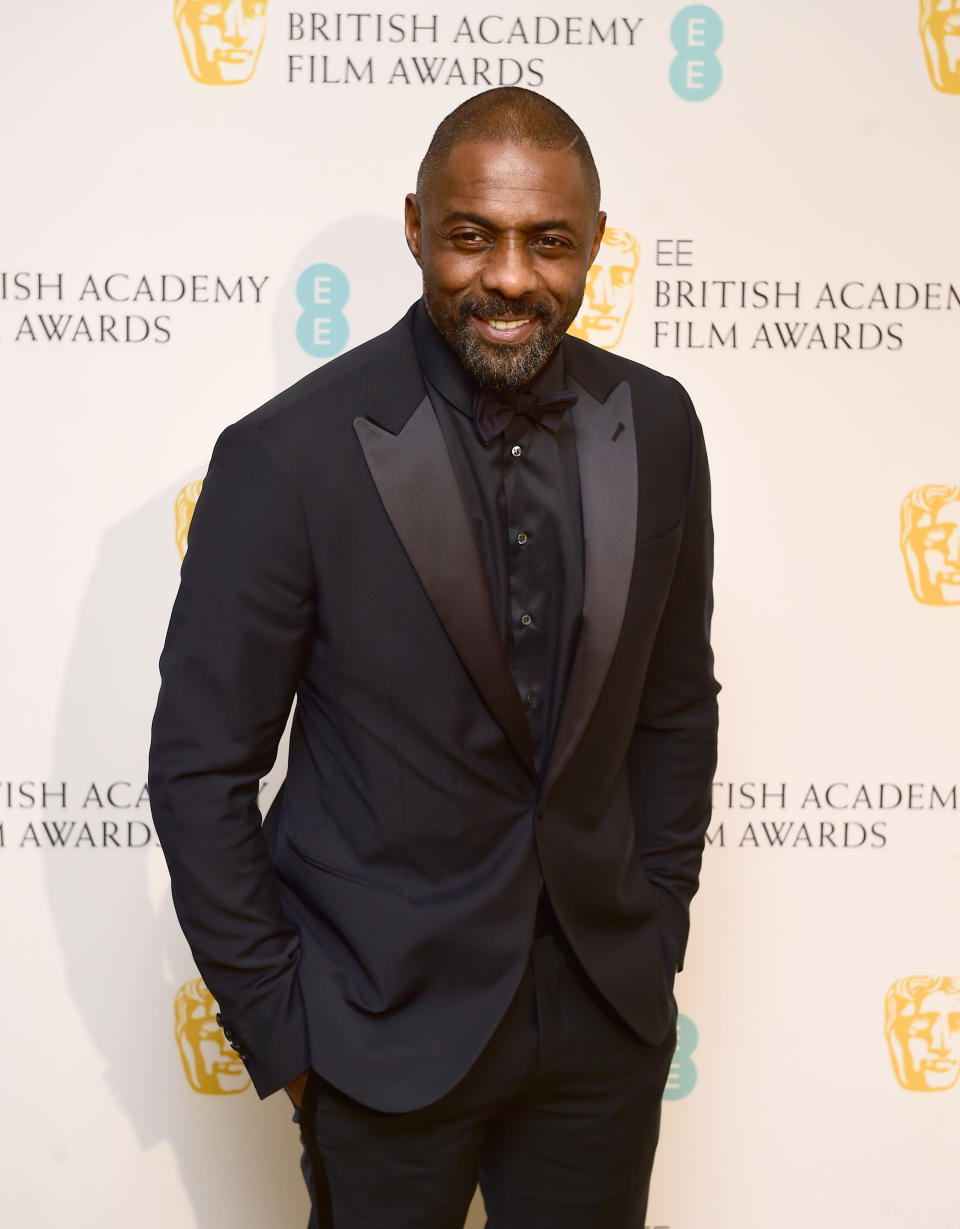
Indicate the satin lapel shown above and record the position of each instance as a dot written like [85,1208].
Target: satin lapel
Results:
[418,486]
[607,460]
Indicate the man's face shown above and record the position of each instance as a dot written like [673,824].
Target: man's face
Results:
[937,547]
[930,1037]
[223,38]
[505,235]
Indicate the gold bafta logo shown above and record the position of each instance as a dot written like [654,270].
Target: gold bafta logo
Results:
[183,508]
[940,33]
[221,39]
[209,1063]
[923,1032]
[609,293]
[930,541]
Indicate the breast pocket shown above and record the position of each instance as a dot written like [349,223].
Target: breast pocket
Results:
[659,553]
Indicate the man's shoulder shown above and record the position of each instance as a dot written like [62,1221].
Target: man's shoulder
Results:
[330,398]
[600,371]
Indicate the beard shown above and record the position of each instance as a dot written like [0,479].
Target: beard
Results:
[509,365]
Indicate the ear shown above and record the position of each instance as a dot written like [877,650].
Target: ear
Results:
[413,227]
[598,236]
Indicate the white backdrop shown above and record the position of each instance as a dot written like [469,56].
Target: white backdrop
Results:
[798,270]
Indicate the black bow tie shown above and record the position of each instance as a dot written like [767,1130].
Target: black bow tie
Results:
[495,408]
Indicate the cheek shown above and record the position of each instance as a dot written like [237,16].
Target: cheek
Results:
[448,274]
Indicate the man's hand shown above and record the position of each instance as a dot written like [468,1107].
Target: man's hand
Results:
[295,1089]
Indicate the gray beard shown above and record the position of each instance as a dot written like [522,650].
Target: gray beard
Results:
[494,366]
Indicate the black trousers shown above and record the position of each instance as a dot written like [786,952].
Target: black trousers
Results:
[558,1121]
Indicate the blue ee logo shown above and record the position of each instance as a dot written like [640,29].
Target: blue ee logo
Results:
[322,292]
[696,32]
[683,1071]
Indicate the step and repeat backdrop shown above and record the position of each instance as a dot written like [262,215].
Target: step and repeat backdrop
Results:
[202,202]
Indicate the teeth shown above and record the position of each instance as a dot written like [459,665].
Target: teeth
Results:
[508,324]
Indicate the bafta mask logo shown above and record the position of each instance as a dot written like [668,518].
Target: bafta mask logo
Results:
[930,541]
[940,34]
[609,293]
[923,1032]
[209,1063]
[183,508]
[221,39]
[683,1070]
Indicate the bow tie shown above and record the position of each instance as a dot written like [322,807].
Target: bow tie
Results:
[495,408]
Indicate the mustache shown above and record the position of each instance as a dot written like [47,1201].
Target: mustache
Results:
[504,308]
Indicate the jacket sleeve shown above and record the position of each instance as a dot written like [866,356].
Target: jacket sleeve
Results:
[235,650]
[673,752]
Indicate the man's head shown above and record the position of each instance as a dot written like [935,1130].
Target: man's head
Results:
[209,1063]
[221,39]
[609,298]
[923,1032]
[940,32]
[505,223]
[930,541]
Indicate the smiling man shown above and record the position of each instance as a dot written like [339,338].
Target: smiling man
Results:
[476,553]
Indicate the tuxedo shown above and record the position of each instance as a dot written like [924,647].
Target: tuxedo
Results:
[377,925]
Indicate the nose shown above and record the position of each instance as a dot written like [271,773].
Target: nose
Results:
[953,546]
[509,270]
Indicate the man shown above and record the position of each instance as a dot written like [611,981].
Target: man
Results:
[455,935]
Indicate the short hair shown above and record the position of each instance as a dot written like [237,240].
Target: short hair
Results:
[515,116]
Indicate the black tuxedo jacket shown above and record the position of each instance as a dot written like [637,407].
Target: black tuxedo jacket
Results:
[378,923]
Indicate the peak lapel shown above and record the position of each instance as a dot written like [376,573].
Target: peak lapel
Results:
[607,460]
[419,490]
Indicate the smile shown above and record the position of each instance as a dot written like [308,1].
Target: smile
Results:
[513,329]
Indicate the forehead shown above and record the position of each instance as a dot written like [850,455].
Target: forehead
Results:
[513,185]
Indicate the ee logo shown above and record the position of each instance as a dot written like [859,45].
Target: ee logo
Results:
[322,292]
[683,1070]
[696,32]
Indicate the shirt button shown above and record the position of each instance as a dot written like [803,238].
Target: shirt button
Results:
[526,619]
[521,539]
[517,450]
[532,699]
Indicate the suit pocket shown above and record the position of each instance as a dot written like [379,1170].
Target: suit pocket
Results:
[340,872]
[658,552]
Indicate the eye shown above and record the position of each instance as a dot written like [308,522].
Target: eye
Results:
[469,239]
[551,243]
[213,9]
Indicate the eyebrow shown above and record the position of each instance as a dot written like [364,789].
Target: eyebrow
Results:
[463,215]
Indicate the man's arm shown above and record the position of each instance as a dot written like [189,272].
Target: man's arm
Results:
[673,753]
[236,646]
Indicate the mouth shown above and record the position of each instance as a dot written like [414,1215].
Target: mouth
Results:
[233,56]
[509,330]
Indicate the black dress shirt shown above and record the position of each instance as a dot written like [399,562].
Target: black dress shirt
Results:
[522,493]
